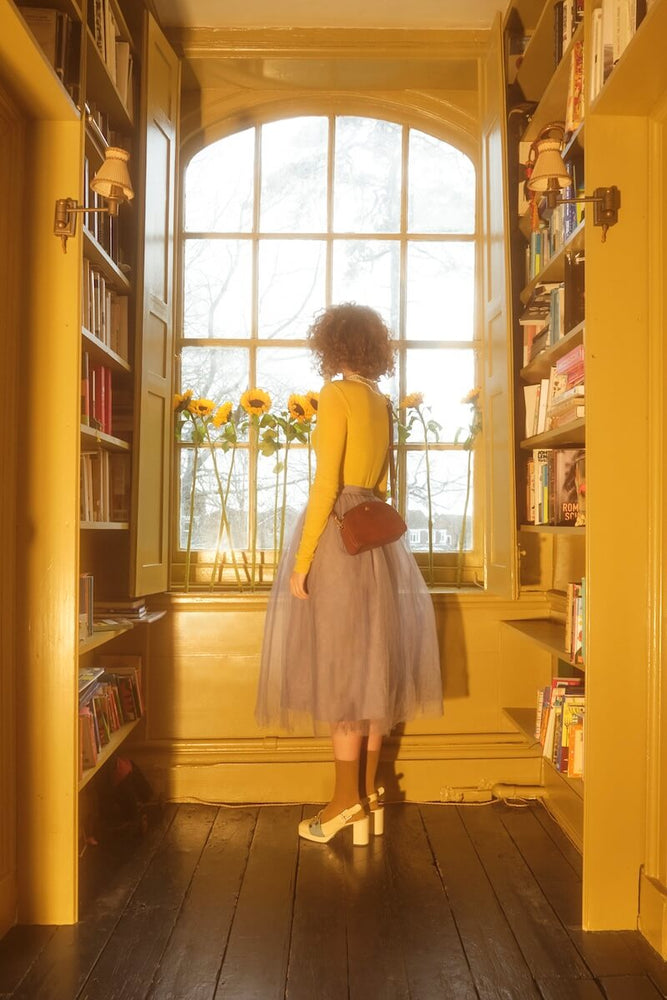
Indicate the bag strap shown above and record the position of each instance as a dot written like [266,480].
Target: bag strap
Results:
[392,461]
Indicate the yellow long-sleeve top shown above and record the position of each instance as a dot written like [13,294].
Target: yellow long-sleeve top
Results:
[351,446]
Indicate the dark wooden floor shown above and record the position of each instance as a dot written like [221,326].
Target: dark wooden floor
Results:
[455,902]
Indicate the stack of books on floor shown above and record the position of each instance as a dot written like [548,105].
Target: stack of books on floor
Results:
[559,724]
[109,698]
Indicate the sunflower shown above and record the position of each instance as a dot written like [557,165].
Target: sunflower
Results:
[472,397]
[201,407]
[222,414]
[314,399]
[256,401]
[300,408]
[182,400]
[412,401]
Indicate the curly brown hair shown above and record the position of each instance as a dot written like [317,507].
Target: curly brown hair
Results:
[353,337]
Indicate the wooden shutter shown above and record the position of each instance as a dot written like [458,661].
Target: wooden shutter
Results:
[500,516]
[155,315]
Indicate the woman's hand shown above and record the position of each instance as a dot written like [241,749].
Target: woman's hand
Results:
[297,586]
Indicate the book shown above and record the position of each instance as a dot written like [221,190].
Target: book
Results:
[575,757]
[531,396]
[564,491]
[574,107]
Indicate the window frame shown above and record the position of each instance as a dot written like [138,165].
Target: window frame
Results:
[444,562]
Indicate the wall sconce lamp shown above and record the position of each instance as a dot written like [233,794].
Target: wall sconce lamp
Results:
[112,182]
[549,176]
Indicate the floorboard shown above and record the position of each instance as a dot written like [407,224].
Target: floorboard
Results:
[498,967]
[434,957]
[191,963]
[128,963]
[255,963]
[544,943]
[69,956]
[629,988]
[215,903]
[318,949]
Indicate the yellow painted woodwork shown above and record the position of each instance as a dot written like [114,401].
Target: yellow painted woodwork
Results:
[202,741]
[48,536]
[155,318]
[11,258]
[499,508]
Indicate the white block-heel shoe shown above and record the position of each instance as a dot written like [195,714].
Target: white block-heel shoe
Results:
[377,810]
[314,829]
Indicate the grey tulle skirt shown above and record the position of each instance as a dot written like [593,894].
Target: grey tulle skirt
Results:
[361,650]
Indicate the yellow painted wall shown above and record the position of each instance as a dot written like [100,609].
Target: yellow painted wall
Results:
[202,741]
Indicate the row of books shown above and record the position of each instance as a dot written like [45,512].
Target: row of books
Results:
[559,724]
[105,487]
[613,25]
[555,486]
[104,312]
[109,698]
[86,605]
[575,612]
[104,228]
[554,309]
[567,15]
[96,395]
[556,227]
[59,37]
[114,49]
[558,399]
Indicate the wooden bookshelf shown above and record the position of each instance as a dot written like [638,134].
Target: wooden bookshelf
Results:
[98,256]
[101,638]
[573,433]
[550,107]
[546,632]
[638,81]
[103,355]
[540,366]
[107,751]
[92,438]
[555,269]
[553,529]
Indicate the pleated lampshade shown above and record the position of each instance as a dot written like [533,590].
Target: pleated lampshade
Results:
[112,180]
[549,171]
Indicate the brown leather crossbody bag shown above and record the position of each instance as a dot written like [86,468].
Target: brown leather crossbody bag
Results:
[373,523]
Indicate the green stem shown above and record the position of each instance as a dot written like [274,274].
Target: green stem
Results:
[192,514]
[430,504]
[224,523]
[462,534]
[255,469]
[276,496]
[282,513]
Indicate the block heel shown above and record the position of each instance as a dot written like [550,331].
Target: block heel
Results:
[376,810]
[378,821]
[361,832]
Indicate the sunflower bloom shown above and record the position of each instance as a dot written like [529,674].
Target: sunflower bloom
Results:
[314,400]
[201,407]
[299,408]
[256,401]
[412,401]
[473,396]
[222,414]
[182,400]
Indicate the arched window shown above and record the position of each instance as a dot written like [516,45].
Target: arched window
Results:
[281,220]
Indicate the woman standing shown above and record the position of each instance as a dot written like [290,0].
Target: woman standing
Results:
[350,640]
